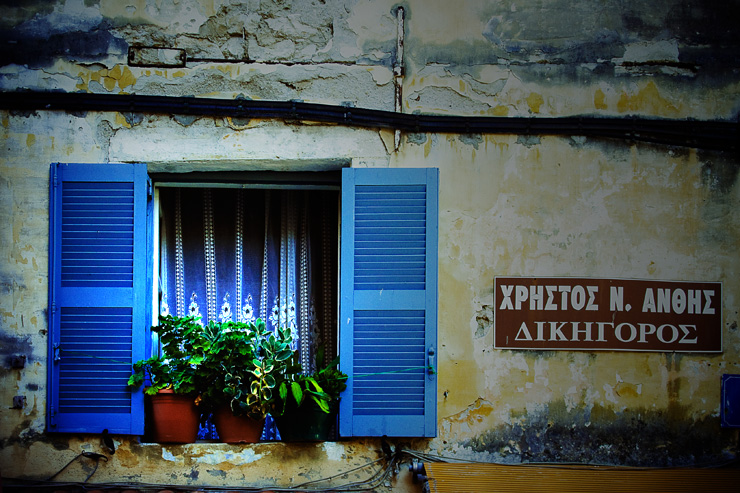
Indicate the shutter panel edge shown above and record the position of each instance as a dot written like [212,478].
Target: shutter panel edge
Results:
[70,303]
[404,419]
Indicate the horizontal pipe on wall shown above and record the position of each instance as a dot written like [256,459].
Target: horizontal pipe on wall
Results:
[701,134]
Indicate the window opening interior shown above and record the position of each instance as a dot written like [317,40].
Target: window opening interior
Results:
[246,250]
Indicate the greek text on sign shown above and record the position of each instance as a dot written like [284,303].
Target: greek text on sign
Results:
[546,313]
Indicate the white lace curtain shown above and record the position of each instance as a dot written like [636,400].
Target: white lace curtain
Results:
[243,254]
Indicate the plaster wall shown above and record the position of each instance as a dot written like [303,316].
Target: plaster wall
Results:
[509,205]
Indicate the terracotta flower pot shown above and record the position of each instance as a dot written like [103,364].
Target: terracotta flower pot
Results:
[174,417]
[237,429]
[307,423]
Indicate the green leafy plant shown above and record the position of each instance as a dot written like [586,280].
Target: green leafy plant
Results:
[231,363]
[323,387]
[250,383]
[183,342]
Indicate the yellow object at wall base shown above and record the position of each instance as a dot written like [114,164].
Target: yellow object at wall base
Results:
[479,478]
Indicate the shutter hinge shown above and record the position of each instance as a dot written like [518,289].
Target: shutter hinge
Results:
[149,189]
[430,361]
[55,352]
[52,416]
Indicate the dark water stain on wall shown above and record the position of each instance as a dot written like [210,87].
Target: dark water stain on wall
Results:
[569,42]
[15,12]
[13,347]
[24,434]
[638,437]
[35,50]
[719,173]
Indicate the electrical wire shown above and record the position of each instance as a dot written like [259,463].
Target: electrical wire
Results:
[720,135]
[424,456]
[91,455]
[376,479]
[345,473]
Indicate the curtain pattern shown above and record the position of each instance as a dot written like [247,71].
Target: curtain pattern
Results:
[240,254]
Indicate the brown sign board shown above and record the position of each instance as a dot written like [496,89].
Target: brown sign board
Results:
[565,313]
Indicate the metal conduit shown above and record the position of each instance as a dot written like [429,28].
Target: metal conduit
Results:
[702,134]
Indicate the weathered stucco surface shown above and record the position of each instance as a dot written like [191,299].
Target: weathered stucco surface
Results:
[509,205]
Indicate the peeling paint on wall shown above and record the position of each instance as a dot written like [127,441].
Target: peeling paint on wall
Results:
[334,451]
[236,458]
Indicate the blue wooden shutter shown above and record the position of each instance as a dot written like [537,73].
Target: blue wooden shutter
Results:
[388,302]
[97,296]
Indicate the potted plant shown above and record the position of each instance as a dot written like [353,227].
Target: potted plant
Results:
[171,380]
[310,401]
[238,375]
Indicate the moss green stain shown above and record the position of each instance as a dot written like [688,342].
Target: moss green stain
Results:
[535,101]
[600,100]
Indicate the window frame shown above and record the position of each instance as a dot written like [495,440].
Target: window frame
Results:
[358,427]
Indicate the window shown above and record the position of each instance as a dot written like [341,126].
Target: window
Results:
[101,254]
